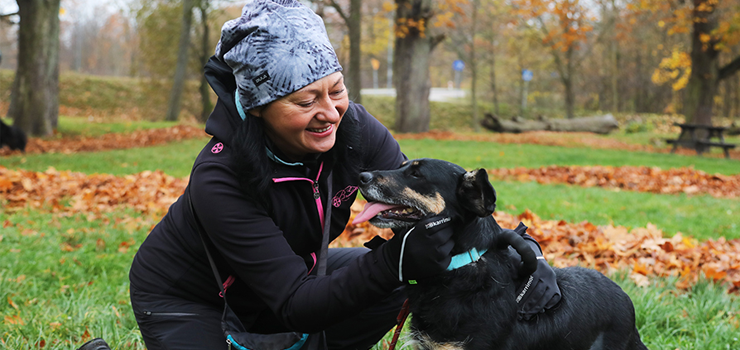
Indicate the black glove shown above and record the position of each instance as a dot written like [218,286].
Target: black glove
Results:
[540,292]
[421,251]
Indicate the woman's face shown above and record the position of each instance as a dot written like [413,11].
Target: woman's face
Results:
[306,121]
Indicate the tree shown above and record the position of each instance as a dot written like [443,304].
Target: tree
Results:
[353,21]
[34,104]
[712,28]
[413,47]
[203,55]
[178,85]
[564,25]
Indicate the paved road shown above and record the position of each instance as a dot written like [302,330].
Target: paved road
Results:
[436,94]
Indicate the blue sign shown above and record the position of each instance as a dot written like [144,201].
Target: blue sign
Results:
[527,75]
[458,65]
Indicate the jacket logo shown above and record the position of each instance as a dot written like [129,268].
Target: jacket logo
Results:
[343,195]
[217,148]
[260,79]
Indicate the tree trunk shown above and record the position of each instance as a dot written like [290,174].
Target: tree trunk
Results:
[34,103]
[474,66]
[205,47]
[599,124]
[178,85]
[570,95]
[493,73]
[354,76]
[411,66]
[702,85]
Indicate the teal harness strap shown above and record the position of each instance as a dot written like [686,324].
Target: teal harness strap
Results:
[463,259]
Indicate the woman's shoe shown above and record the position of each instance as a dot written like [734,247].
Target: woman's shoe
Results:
[95,344]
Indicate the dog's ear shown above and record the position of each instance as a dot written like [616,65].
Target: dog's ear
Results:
[476,193]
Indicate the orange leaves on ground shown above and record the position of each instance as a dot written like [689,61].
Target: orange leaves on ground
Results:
[139,138]
[642,251]
[631,178]
[147,192]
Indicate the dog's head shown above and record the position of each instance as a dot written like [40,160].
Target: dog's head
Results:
[12,136]
[424,187]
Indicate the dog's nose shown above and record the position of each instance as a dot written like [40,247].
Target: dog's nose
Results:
[365,177]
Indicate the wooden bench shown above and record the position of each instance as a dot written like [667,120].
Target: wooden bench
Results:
[703,143]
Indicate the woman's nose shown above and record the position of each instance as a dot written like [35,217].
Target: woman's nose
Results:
[329,111]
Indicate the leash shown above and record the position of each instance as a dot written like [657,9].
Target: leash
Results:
[400,320]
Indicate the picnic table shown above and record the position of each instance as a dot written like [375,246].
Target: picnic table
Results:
[712,137]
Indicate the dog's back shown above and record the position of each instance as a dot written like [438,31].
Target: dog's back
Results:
[474,307]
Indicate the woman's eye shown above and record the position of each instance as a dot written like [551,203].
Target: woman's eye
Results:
[338,92]
[305,104]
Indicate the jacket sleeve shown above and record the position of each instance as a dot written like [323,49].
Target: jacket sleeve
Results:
[253,245]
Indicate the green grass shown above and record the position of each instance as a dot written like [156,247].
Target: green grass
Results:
[60,294]
[700,216]
[91,127]
[490,155]
[672,213]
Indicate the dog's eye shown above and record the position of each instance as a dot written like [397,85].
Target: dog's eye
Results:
[415,173]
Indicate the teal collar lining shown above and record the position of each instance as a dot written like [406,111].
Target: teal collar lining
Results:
[463,259]
[239,108]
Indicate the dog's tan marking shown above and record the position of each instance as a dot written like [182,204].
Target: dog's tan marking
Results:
[422,341]
[433,204]
[416,163]
[404,162]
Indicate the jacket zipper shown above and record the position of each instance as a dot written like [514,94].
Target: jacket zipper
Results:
[316,197]
[176,314]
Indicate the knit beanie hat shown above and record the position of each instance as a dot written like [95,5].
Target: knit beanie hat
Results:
[275,48]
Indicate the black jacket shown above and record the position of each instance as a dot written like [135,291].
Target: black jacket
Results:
[272,253]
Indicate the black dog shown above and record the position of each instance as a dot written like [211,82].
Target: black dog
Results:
[12,136]
[475,306]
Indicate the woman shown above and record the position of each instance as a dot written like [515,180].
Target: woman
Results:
[287,146]
[283,126]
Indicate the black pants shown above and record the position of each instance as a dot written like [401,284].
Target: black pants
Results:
[181,324]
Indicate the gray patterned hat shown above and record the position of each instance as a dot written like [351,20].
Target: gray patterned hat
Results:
[275,48]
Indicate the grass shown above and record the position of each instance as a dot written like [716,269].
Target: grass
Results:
[64,276]
[672,213]
[67,275]
[489,155]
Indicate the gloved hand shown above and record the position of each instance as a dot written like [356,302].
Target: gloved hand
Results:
[421,251]
[540,292]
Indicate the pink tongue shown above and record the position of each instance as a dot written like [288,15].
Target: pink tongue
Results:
[371,209]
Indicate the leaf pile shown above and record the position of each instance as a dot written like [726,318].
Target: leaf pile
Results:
[642,251]
[631,178]
[149,192]
[139,138]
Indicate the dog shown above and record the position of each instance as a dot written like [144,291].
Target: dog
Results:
[12,136]
[475,306]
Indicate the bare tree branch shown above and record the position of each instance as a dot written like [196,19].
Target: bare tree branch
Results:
[729,69]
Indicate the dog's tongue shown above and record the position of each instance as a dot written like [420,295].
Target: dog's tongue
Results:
[371,209]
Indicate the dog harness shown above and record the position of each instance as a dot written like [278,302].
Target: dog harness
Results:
[463,259]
